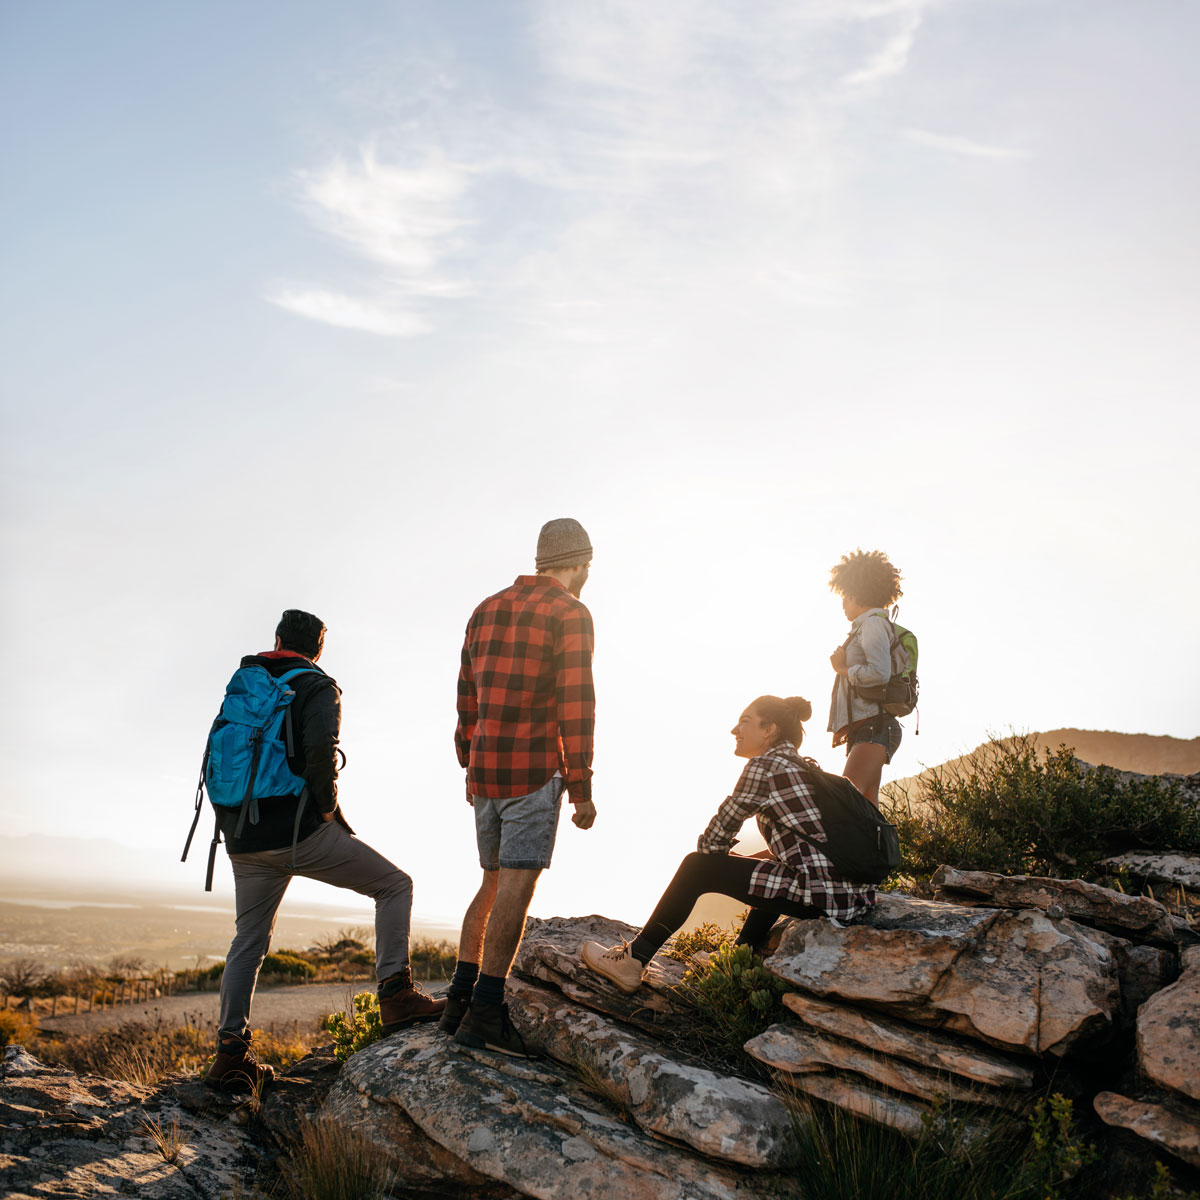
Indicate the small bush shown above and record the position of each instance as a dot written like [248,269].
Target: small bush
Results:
[707,937]
[18,1028]
[1006,810]
[432,959]
[354,1033]
[845,1158]
[333,1162]
[734,998]
[288,964]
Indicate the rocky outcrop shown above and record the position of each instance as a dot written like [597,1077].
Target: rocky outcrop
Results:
[800,1051]
[1172,870]
[728,1119]
[1021,980]
[1135,917]
[528,1126]
[1168,1032]
[549,953]
[926,1048]
[918,1003]
[1177,1133]
[71,1135]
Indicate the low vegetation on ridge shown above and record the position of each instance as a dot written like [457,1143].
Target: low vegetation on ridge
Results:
[1008,809]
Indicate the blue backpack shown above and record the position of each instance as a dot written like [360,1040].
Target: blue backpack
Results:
[246,756]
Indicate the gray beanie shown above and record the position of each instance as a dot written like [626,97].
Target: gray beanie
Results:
[563,542]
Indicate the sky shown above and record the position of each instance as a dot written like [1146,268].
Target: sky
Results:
[332,307]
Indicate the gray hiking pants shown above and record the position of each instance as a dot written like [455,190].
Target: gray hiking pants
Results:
[332,855]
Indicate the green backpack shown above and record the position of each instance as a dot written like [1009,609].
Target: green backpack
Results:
[899,695]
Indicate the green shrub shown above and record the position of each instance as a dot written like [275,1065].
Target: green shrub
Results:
[354,1033]
[707,937]
[289,964]
[844,1158]
[1006,810]
[734,998]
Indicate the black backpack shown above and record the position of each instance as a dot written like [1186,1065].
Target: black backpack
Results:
[863,847]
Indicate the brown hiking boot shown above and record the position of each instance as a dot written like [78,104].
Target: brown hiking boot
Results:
[236,1069]
[402,1004]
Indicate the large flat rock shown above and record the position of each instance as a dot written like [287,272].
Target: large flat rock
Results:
[894,1110]
[928,1048]
[1174,1131]
[722,1117]
[799,1050]
[528,1126]
[1018,980]
[1135,917]
[549,953]
[1168,1032]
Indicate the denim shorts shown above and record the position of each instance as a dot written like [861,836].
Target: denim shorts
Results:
[518,832]
[883,731]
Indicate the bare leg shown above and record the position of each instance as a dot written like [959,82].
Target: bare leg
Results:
[514,892]
[475,923]
[864,769]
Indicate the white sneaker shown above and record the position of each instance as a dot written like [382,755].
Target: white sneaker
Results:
[615,963]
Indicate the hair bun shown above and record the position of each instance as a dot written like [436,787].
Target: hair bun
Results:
[801,707]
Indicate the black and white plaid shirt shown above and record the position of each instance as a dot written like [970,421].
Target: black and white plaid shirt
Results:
[773,788]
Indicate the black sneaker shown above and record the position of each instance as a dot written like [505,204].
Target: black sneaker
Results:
[487,1027]
[455,1010]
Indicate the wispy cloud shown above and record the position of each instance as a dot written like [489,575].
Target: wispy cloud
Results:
[388,319]
[955,144]
[684,147]
[409,221]
[891,56]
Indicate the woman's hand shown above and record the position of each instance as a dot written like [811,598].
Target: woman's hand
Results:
[837,660]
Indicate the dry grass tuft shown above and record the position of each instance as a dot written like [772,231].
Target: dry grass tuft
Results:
[333,1162]
[169,1140]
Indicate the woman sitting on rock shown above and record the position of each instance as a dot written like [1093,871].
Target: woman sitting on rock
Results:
[791,878]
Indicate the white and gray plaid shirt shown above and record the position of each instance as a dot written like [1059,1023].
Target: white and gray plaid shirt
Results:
[773,788]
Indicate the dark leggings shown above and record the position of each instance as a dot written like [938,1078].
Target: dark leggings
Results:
[727,875]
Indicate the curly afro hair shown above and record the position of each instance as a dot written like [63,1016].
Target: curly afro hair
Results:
[868,577]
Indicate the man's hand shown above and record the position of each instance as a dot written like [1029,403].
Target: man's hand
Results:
[837,660]
[470,798]
[584,814]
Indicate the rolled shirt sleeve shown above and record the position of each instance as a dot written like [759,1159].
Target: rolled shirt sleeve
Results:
[752,792]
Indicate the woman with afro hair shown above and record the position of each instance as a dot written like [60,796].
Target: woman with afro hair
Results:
[868,585]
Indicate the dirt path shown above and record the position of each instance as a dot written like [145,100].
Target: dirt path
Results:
[300,1006]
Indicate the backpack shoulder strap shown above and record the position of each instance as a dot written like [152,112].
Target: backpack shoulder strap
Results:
[288,676]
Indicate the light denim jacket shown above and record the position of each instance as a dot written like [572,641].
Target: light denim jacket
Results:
[868,664]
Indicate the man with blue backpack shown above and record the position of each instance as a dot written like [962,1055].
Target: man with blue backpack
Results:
[270,770]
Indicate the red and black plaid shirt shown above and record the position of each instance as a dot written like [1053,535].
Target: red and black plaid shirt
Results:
[526,704]
[774,789]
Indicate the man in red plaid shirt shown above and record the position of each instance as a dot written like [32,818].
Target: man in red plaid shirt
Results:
[526,713]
